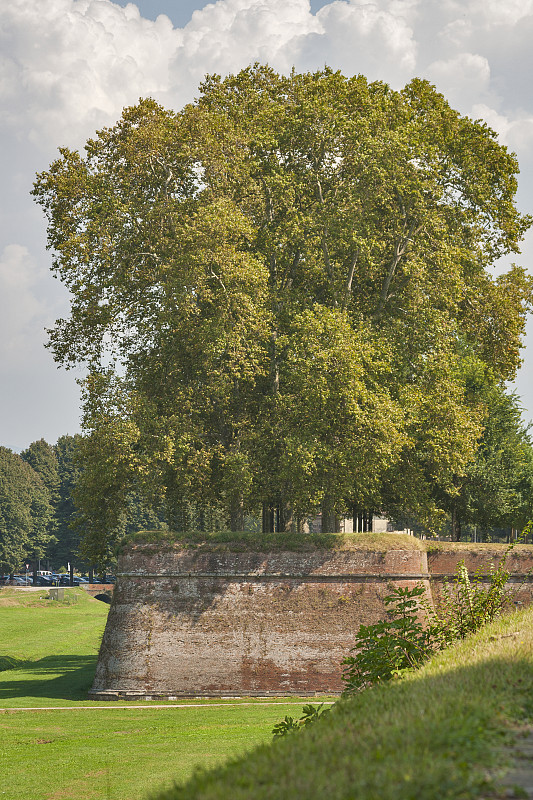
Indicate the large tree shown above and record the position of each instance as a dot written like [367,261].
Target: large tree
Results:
[274,290]
[497,487]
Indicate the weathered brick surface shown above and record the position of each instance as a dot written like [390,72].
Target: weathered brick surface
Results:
[188,622]
[479,558]
[519,560]
[192,622]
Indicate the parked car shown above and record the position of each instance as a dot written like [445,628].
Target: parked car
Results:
[20,580]
[65,580]
[43,580]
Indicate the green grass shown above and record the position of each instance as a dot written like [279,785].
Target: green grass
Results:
[437,734]
[497,548]
[48,649]
[297,542]
[81,749]
[121,754]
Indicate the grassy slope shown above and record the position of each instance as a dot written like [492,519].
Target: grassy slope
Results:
[53,646]
[433,735]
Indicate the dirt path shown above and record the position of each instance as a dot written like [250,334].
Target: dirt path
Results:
[112,705]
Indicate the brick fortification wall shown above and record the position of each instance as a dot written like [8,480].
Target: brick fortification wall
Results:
[194,622]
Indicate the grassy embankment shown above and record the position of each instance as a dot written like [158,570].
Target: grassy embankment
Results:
[271,542]
[433,735]
[96,751]
[445,731]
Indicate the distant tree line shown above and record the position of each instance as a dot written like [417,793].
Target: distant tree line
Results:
[39,521]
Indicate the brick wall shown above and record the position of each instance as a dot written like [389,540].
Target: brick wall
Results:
[216,623]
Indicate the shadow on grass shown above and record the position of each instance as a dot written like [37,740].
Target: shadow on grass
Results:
[55,677]
[431,736]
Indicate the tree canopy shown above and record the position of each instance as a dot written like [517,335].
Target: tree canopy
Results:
[276,291]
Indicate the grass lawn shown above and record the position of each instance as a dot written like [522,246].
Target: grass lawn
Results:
[97,751]
[121,754]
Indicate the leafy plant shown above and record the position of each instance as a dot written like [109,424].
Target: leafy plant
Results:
[310,714]
[391,646]
[414,628]
[472,602]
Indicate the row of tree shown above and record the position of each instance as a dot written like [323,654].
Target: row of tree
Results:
[39,519]
[283,298]
[36,506]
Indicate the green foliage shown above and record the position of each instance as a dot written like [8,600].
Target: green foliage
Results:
[414,629]
[26,514]
[66,548]
[471,602]
[388,648]
[496,489]
[310,714]
[275,290]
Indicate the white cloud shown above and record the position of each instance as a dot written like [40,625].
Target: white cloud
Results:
[227,35]
[517,133]
[68,67]
[372,38]
[71,64]
[23,314]
[464,78]
[497,13]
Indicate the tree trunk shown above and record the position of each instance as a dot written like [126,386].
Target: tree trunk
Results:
[237,514]
[268,518]
[330,522]
[302,525]
[201,520]
[456,525]
[286,518]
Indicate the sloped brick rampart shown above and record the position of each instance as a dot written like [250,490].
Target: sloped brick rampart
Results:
[191,622]
[196,623]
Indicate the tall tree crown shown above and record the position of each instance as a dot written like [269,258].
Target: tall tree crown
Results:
[287,275]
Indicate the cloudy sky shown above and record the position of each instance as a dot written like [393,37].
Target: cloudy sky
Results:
[67,67]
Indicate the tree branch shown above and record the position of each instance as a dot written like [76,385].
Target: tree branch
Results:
[399,251]
[349,280]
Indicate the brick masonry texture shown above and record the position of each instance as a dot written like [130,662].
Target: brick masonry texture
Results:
[193,622]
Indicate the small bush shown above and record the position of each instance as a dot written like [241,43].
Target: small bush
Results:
[403,642]
[414,630]
[391,646]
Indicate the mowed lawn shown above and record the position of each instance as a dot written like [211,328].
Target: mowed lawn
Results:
[98,751]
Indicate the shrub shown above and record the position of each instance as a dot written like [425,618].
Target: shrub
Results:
[387,648]
[414,629]
[403,642]
[287,725]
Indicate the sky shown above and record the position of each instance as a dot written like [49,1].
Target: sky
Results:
[68,67]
